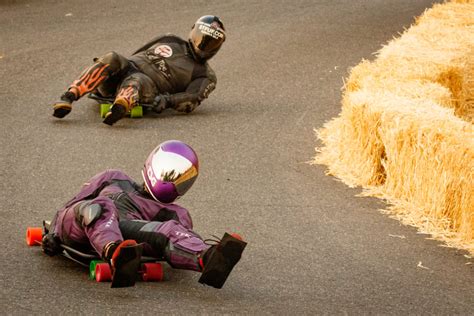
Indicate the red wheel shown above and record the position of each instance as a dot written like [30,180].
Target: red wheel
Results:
[103,272]
[34,236]
[152,272]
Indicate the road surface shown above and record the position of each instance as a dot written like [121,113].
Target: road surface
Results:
[314,247]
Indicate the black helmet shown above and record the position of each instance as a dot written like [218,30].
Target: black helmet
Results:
[207,36]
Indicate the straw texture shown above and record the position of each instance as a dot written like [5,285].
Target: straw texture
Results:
[406,133]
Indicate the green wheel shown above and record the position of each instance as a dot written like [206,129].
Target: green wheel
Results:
[104,109]
[137,111]
[92,266]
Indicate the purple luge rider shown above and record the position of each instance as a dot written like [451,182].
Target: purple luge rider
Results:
[114,216]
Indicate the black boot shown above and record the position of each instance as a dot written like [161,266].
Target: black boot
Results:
[117,112]
[219,260]
[64,106]
[124,261]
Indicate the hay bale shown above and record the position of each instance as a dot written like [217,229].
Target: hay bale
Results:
[466,105]
[405,132]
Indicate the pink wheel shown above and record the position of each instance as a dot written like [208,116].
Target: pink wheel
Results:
[103,272]
[152,272]
[34,235]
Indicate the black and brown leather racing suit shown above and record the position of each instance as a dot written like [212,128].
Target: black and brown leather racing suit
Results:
[164,67]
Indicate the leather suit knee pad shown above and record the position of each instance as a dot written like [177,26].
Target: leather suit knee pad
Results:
[144,84]
[145,232]
[115,61]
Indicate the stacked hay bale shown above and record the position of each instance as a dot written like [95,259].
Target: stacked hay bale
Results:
[406,130]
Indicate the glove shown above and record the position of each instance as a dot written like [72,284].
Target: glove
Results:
[160,103]
[51,245]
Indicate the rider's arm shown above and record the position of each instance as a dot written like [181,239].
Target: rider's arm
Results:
[51,240]
[90,190]
[198,90]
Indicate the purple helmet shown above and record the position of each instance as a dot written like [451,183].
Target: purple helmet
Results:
[170,170]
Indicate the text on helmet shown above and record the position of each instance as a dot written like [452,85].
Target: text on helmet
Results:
[208,30]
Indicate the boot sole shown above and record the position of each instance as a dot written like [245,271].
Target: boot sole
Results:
[126,266]
[61,110]
[220,265]
[116,113]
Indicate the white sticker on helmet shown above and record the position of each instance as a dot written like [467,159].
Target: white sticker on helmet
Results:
[210,30]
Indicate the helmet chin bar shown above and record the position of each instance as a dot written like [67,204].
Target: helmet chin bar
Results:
[145,186]
[197,54]
[193,52]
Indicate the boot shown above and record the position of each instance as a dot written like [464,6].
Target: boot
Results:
[117,112]
[64,106]
[126,99]
[219,260]
[124,261]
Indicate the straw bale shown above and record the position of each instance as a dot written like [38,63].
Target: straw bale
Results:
[466,106]
[462,1]
[405,131]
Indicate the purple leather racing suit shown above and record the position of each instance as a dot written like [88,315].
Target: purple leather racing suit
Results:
[126,211]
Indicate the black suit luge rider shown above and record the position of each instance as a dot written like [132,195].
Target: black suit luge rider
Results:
[168,72]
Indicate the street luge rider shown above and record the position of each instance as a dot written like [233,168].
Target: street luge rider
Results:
[119,219]
[167,72]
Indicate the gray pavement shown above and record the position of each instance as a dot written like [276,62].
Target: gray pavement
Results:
[314,248]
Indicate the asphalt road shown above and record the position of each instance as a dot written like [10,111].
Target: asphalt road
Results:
[314,247]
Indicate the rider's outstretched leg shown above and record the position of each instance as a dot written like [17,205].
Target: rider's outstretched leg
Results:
[184,249]
[105,67]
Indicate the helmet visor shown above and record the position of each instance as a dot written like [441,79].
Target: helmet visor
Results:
[174,168]
[207,37]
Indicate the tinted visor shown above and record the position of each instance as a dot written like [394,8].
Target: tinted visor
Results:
[174,168]
[207,37]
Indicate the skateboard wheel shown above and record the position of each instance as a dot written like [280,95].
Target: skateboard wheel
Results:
[92,267]
[103,272]
[34,235]
[152,272]
[136,111]
[104,109]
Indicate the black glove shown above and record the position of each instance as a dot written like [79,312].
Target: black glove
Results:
[51,245]
[160,103]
